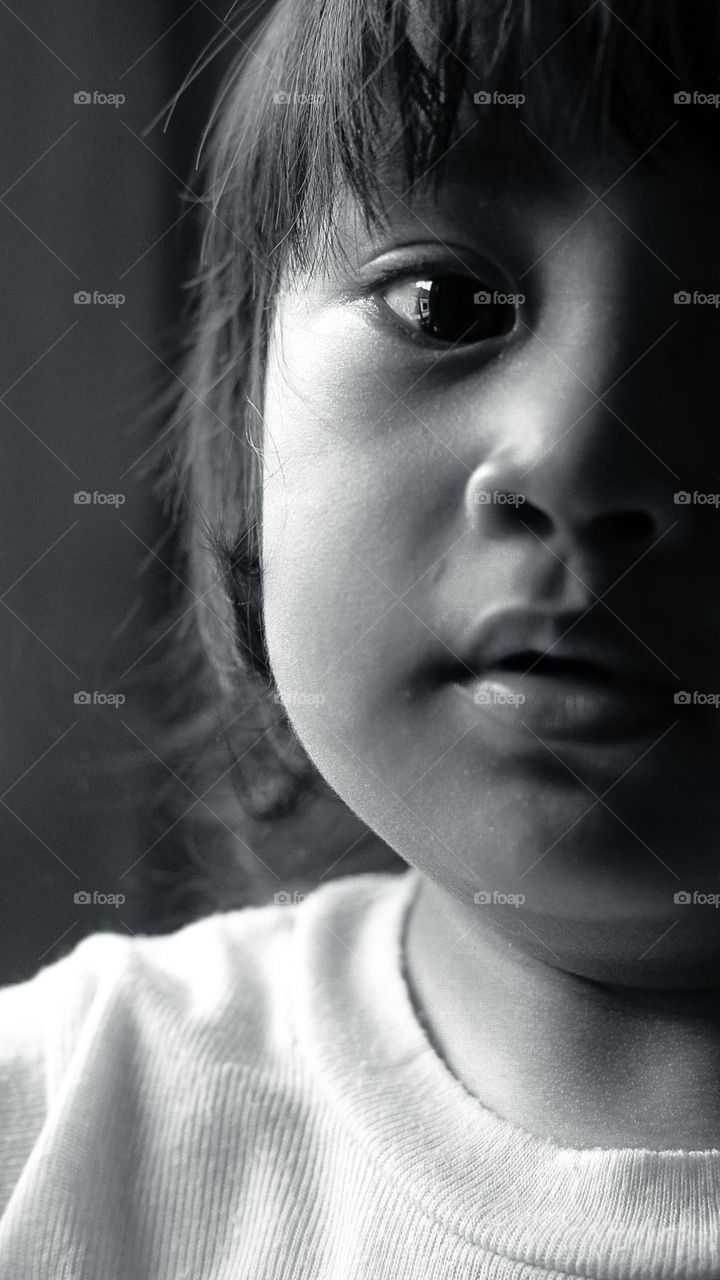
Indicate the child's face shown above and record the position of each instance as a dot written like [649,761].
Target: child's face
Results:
[381,559]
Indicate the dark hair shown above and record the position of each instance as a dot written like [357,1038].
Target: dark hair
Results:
[270,173]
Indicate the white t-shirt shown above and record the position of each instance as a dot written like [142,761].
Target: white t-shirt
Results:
[254,1097]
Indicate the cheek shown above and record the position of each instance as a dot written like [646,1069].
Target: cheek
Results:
[337,533]
[367,553]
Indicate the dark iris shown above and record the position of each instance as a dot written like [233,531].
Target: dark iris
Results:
[459,309]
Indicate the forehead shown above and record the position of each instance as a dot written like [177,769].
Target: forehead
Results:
[521,173]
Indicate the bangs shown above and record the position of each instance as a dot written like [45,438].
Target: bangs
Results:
[312,106]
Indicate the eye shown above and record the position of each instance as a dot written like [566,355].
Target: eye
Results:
[453,308]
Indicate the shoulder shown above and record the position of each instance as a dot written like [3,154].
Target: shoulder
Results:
[159,1034]
[220,986]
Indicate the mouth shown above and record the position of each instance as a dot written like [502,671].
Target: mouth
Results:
[566,699]
[531,662]
[531,677]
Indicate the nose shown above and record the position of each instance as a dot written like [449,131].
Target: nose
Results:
[566,495]
[571,467]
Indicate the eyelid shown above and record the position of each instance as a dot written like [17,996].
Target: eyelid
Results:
[426,261]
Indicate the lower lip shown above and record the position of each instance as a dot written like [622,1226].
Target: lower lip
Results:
[564,708]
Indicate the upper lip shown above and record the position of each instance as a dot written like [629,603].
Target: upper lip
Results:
[522,632]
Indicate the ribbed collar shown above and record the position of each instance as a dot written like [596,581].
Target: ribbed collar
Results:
[608,1214]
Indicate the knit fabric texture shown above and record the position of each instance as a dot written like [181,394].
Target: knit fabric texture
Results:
[253,1096]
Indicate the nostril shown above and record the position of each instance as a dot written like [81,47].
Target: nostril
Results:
[510,512]
[535,520]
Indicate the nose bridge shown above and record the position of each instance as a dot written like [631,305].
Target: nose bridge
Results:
[635,416]
[594,427]
[602,446]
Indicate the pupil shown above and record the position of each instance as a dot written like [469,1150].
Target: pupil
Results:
[448,310]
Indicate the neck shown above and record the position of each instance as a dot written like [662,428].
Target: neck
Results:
[582,1063]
